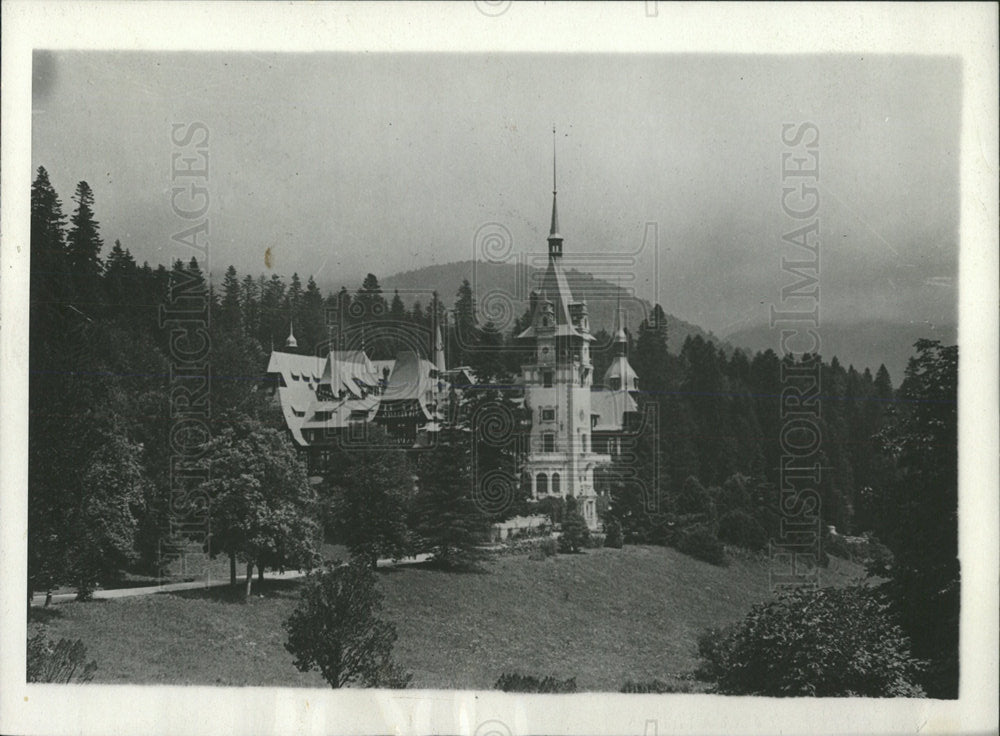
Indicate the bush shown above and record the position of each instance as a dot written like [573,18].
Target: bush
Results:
[827,642]
[742,530]
[574,532]
[59,662]
[595,540]
[656,686]
[514,682]
[836,545]
[336,629]
[699,542]
[694,499]
[544,549]
[613,534]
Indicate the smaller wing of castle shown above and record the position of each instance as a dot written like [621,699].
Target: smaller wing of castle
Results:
[321,396]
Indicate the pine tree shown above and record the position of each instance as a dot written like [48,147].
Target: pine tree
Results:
[447,521]
[465,332]
[924,579]
[121,282]
[250,305]
[369,302]
[50,270]
[83,248]
[231,311]
[312,318]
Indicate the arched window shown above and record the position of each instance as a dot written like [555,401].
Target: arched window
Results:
[542,483]
[555,483]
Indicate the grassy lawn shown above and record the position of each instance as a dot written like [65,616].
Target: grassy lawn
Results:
[603,616]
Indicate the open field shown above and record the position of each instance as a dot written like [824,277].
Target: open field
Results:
[604,616]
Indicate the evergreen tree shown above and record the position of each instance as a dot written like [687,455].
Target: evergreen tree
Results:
[371,493]
[250,305]
[650,357]
[486,357]
[231,307]
[464,336]
[83,249]
[924,579]
[50,270]
[312,319]
[447,521]
[369,302]
[417,315]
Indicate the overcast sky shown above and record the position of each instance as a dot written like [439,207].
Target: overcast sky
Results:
[349,163]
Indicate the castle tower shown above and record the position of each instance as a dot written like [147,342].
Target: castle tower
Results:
[291,342]
[557,384]
[620,376]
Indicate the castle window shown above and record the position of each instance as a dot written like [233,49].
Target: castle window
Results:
[548,415]
[548,442]
[547,379]
[556,485]
[542,483]
[615,383]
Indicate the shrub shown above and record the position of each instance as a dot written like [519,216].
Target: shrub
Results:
[336,629]
[574,532]
[544,549]
[826,642]
[693,498]
[594,540]
[742,530]
[515,682]
[699,542]
[836,545]
[656,686]
[59,662]
[613,534]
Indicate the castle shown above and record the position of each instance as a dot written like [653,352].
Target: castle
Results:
[576,426]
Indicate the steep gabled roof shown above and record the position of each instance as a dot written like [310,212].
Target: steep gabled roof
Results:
[610,408]
[555,289]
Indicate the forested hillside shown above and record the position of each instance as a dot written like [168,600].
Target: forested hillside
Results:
[102,434]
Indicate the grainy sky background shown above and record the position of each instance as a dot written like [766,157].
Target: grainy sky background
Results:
[349,163]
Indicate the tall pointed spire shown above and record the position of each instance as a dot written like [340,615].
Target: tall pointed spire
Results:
[439,360]
[620,339]
[291,342]
[555,239]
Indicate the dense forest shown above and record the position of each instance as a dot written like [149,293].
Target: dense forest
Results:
[100,422]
